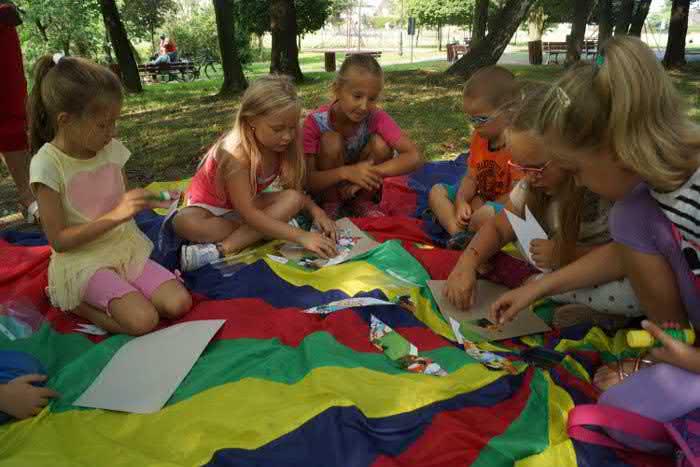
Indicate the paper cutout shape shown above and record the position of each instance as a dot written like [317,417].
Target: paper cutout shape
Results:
[400,350]
[526,231]
[353,302]
[90,329]
[145,372]
[490,360]
[352,242]
[278,259]
[525,323]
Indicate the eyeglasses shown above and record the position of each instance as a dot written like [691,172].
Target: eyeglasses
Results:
[479,120]
[536,171]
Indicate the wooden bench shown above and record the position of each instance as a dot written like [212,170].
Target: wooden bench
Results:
[590,48]
[183,70]
[553,49]
[329,56]
[454,51]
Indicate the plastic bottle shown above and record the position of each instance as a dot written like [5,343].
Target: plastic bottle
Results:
[642,338]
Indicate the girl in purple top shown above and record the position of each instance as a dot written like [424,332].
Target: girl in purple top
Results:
[351,145]
[621,128]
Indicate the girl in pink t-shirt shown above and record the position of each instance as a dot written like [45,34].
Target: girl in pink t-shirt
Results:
[351,145]
[250,183]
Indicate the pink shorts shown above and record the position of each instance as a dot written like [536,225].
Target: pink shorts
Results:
[106,285]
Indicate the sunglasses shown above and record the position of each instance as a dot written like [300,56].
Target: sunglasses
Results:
[536,171]
[479,120]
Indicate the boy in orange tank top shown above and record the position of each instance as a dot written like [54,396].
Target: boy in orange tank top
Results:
[461,209]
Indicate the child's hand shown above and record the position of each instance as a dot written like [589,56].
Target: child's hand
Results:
[673,352]
[319,244]
[511,303]
[21,399]
[464,214]
[326,225]
[542,252]
[135,201]
[348,192]
[365,175]
[460,288]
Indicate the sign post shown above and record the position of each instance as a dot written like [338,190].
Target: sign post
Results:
[411,32]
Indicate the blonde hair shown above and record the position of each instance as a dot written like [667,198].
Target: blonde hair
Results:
[266,96]
[366,63]
[523,117]
[494,84]
[73,85]
[629,105]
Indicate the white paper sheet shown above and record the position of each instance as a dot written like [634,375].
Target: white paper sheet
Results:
[526,231]
[145,372]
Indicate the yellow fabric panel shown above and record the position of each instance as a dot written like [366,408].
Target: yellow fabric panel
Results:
[245,414]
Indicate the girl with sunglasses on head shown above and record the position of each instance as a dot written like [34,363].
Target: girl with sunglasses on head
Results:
[574,218]
[462,208]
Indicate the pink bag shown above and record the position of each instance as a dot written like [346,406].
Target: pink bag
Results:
[633,432]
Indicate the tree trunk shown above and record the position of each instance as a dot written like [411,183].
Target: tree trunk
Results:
[234,79]
[582,9]
[605,26]
[121,46]
[639,17]
[489,50]
[439,38]
[624,17]
[285,54]
[260,46]
[153,41]
[42,30]
[535,30]
[481,17]
[677,29]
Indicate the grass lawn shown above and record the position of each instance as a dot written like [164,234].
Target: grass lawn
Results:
[169,126]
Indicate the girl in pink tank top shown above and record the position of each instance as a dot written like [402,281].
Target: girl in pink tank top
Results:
[249,184]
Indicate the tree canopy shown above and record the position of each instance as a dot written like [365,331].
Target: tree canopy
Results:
[70,26]
[311,14]
[143,17]
[435,13]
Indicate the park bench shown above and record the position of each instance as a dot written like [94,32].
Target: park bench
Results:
[553,49]
[329,56]
[589,49]
[182,70]
[454,51]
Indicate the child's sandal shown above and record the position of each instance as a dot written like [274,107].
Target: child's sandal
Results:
[620,369]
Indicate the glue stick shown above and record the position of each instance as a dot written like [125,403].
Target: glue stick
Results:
[642,338]
[163,196]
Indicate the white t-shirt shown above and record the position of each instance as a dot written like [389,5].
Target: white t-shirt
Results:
[682,207]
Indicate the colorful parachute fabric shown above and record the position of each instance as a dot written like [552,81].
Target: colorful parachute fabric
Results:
[280,387]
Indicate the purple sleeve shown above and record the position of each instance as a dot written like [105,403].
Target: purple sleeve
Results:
[637,222]
[385,126]
[312,135]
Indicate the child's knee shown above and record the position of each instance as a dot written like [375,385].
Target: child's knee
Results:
[437,192]
[136,315]
[294,199]
[177,302]
[184,222]
[140,323]
[379,148]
